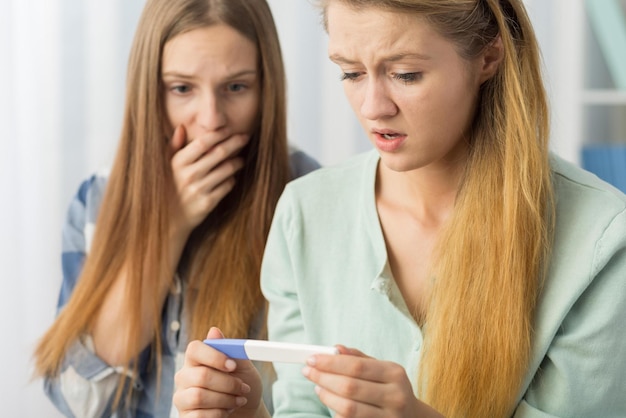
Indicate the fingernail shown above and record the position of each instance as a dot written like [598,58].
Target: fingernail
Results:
[245,388]
[230,365]
[317,389]
[241,400]
[311,361]
[306,371]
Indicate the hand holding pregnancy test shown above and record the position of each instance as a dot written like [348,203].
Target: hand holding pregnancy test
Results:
[261,350]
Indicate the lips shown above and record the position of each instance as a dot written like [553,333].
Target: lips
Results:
[388,140]
[387,133]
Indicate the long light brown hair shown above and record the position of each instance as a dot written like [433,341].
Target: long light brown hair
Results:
[491,257]
[222,258]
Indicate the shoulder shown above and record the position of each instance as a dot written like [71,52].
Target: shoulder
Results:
[89,196]
[589,249]
[82,213]
[337,179]
[590,219]
[570,179]
[581,307]
[331,197]
[590,215]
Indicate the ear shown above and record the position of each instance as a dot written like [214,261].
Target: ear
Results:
[490,59]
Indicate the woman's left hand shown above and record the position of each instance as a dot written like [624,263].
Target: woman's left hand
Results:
[355,385]
[212,385]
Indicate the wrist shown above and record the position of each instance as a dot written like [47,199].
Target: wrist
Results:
[262,412]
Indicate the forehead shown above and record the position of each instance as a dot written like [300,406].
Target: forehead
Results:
[219,44]
[354,32]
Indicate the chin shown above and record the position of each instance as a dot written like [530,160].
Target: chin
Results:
[399,163]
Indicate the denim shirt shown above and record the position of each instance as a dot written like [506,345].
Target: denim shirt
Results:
[87,385]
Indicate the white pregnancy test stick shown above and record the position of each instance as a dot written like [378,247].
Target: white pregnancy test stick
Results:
[261,350]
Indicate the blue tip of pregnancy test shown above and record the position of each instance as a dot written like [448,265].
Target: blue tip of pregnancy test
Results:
[233,348]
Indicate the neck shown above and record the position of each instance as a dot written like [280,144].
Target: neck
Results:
[428,194]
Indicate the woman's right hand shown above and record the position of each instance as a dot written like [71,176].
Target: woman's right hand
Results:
[204,172]
[211,384]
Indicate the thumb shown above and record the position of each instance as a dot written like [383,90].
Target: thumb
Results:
[179,138]
[214,333]
[351,351]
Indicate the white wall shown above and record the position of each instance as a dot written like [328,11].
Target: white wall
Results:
[320,119]
[62,69]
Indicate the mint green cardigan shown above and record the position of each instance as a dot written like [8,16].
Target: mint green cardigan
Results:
[327,280]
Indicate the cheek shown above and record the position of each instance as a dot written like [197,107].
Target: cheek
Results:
[354,95]
[177,113]
[465,108]
[453,105]
[246,115]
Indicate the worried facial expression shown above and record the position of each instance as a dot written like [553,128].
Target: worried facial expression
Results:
[211,81]
[413,93]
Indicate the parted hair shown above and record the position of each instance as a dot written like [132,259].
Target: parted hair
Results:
[491,257]
[222,258]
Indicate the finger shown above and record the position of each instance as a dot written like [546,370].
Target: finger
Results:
[178,139]
[205,154]
[211,141]
[357,366]
[210,379]
[350,388]
[200,354]
[214,333]
[350,351]
[224,171]
[208,201]
[347,408]
[220,153]
[199,413]
[197,399]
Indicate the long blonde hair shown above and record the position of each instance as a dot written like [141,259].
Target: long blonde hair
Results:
[222,258]
[491,257]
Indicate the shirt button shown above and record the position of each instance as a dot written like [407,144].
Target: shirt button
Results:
[176,289]
[175,326]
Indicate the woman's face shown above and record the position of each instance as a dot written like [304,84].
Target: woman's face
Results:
[212,82]
[412,92]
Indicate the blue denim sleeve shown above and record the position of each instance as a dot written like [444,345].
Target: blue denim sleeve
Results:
[79,225]
[85,365]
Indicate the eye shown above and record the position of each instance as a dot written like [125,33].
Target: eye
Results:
[408,78]
[180,88]
[236,87]
[349,76]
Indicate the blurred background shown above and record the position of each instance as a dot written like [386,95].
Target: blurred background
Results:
[62,69]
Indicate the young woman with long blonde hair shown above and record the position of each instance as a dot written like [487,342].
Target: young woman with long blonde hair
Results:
[171,241]
[484,275]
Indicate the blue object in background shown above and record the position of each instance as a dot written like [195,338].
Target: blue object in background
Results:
[607,161]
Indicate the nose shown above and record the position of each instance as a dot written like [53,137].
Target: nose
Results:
[377,102]
[210,113]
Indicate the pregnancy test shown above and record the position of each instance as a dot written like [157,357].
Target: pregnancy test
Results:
[262,350]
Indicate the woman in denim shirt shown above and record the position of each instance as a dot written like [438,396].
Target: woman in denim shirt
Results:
[171,240]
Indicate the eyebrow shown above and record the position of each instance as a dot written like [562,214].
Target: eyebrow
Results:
[337,58]
[178,74]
